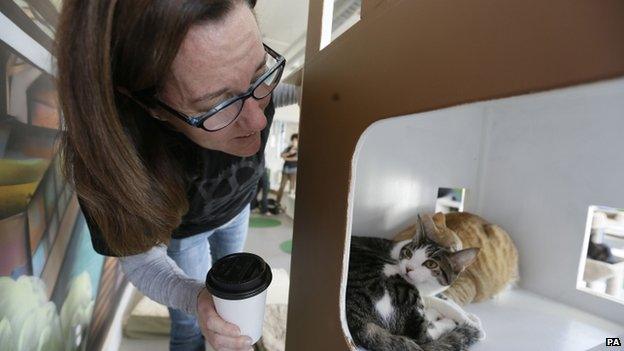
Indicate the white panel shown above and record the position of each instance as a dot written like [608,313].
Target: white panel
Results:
[533,164]
[25,45]
[326,23]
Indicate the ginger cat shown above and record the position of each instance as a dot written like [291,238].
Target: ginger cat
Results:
[496,266]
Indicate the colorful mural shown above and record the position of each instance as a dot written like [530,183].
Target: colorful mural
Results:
[56,292]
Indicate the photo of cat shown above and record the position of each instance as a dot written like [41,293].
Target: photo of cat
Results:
[603,266]
[394,300]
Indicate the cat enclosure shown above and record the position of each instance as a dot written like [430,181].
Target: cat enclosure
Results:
[519,103]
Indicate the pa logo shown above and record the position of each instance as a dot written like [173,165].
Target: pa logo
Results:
[613,342]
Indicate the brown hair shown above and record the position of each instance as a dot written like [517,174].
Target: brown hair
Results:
[112,149]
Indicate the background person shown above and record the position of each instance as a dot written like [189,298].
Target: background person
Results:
[289,171]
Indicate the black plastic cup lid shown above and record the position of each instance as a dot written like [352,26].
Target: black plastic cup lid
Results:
[238,276]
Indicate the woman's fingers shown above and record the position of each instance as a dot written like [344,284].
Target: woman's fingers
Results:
[222,342]
[221,335]
[218,325]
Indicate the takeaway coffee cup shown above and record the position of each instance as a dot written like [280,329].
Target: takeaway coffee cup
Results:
[238,284]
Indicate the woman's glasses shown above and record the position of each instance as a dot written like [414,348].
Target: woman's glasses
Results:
[226,112]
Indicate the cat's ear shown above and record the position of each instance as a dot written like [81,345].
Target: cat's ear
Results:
[462,259]
[419,230]
[429,229]
[439,219]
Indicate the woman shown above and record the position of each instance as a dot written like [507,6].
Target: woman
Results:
[164,105]
[289,171]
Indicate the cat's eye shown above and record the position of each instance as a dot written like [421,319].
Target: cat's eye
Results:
[431,264]
[406,253]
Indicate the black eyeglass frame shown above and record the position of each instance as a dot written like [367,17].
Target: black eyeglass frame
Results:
[198,120]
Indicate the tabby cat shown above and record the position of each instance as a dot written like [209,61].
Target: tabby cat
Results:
[496,267]
[393,300]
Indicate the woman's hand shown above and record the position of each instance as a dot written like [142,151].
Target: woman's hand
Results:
[221,335]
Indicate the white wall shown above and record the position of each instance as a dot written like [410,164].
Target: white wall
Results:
[403,161]
[532,164]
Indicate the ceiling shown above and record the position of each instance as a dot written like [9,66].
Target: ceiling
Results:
[284,23]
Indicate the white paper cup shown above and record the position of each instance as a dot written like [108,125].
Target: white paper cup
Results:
[238,284]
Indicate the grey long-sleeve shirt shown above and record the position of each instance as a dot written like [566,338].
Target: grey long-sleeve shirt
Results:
[158,277]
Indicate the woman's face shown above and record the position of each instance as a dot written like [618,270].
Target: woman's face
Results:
[216,61]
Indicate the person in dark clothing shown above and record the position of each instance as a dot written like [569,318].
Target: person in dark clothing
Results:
[289,171]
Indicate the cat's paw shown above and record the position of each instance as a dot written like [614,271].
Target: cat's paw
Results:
[481,335]
[479,327]
[473,318]
[474,321]
[469,334]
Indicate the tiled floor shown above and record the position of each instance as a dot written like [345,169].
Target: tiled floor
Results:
[156,344]
[264,242]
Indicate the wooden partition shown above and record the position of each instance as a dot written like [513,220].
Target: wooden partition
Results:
[407,57]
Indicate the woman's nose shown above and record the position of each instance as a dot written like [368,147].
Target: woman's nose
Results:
[252,116]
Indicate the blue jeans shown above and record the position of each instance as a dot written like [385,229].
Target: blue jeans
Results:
[195,255]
